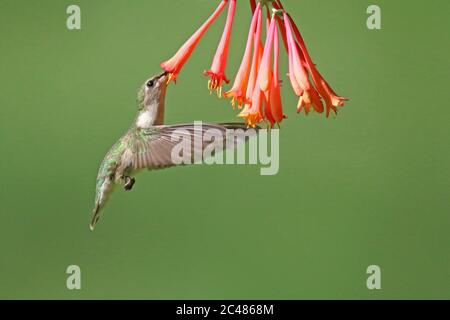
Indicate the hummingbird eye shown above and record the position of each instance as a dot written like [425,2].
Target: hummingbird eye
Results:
[150,83]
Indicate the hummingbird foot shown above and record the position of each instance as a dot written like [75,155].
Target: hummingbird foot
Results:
[129,183]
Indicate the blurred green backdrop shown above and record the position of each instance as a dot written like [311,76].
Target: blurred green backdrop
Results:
[370,186]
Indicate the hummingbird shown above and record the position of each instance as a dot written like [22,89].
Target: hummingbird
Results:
[146,145]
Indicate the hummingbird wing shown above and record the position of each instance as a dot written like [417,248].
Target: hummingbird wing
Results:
[153,147]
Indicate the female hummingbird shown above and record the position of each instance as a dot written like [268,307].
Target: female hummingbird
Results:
[147,144]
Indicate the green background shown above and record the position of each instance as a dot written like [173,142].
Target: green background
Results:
[370,186]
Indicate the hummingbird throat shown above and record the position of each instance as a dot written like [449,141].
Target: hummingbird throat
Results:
[151,115]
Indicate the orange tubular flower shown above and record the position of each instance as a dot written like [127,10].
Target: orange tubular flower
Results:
[238,91]
[217,71]
[308,95]
[276,107]
[257,53]
[261,92]
[265,76]
[265,68]
[174,65]
[297,72]
[257,86]
[332,100]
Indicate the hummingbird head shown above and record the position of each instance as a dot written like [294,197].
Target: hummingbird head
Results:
[151,101]
[153,91]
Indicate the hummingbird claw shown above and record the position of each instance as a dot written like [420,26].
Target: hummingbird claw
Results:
[129,183]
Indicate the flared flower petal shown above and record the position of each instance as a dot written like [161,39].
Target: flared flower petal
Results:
[174,65]
[253,114]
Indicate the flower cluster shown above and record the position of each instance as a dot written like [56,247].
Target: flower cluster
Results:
[256,88]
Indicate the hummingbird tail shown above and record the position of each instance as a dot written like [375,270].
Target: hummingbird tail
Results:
[95,217]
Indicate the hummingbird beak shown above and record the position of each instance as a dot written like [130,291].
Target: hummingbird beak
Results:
[162,77]
[162,74]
